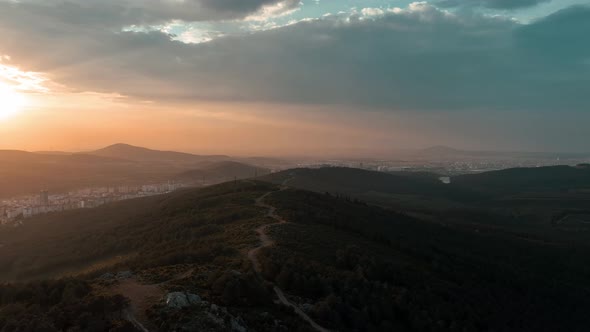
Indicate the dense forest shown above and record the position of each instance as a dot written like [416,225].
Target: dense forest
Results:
[63,305]
[347,263]
[189,241]
[189,226]
[371,269]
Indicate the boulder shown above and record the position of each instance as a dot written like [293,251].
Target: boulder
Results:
[193,298]
[179,300]
[216,320]
[236,326]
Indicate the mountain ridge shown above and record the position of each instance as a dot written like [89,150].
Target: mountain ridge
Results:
[127,151]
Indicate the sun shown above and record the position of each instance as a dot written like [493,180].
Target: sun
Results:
[11,102]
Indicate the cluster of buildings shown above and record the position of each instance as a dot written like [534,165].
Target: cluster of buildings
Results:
[14,211]
[449,167]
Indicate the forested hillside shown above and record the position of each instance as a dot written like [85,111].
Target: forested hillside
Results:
[186,226]
[214,172]
[365,268]
[345,264]
[518,180]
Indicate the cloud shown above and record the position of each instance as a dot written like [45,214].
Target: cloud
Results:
[369,11]
[19,80]
[118,13]
[560,37]
[420,58]
[281,8]
[492,4]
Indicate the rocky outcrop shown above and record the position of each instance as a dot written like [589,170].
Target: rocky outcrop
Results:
[179,300]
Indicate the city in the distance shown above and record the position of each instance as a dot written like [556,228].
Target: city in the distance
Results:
[441,161]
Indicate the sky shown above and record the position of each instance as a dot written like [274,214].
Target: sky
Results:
[280,77]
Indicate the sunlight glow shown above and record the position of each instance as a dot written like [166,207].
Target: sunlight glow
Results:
[11,102]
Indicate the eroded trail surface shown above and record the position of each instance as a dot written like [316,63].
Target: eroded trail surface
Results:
[141,297]
[266,241]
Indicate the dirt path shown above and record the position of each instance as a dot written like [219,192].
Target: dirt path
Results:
[142,297]
[266,241]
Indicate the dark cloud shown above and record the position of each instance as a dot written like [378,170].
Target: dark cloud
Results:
[117,13]
[419,59]
[493,4]
[566,32]
[242,6]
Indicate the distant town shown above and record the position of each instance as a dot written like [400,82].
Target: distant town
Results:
[15,210]
[444,167]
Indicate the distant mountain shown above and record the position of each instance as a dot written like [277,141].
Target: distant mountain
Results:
[24,172]
[88,158]
[237,169]
[130,152]
[267,162]
[62,153]
[221,171]
[16,156]
[21,156]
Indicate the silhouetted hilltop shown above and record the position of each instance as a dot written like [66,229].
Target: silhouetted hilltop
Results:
[16,156]
[24,157]
[126,151]
[371,185]
[515,180]
[222,171]
[62,153]
[342,179]
[27,172]
[88,158]
[24,172]
[236,169]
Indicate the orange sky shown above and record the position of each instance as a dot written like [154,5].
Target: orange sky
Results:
[85,121]
[53,117]
[327,79]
